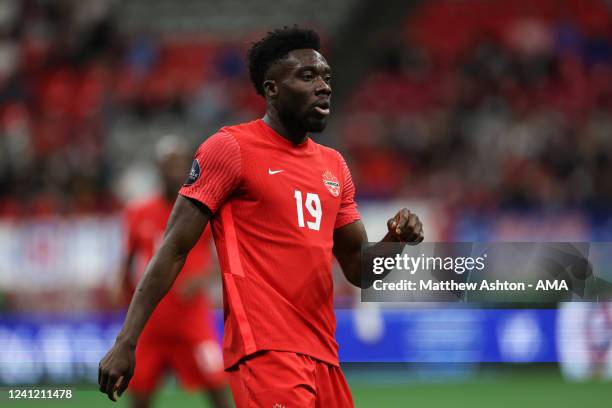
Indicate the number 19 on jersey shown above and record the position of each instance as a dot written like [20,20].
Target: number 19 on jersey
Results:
[313,205]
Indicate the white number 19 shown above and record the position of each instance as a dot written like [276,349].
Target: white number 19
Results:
[313,205]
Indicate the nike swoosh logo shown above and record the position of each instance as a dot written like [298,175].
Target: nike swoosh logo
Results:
[270,171]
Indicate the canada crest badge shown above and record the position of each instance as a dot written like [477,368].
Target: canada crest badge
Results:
[331,182]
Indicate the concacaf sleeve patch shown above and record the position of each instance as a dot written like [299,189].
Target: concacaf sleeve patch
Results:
[194,173]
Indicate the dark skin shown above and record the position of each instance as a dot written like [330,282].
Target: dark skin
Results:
[297,91]
[293,87]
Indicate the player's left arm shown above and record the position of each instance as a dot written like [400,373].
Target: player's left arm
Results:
[349,240]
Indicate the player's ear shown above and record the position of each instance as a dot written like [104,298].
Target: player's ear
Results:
[270,89]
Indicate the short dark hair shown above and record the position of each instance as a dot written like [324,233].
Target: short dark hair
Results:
[274,47]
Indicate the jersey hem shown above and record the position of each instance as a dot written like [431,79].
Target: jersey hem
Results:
[231,363]
[193,196]
[345,221]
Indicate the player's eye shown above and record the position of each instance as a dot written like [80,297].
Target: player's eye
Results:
[327,78]
[307,76]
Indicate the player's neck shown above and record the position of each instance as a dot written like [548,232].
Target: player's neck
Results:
[295,136]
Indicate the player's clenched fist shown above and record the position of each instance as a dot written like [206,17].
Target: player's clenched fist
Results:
[116,370]
[406,227]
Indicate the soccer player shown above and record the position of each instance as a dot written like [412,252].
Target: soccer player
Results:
[179,336]
[280,205]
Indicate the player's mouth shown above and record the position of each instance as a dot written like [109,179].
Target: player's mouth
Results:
[322,108]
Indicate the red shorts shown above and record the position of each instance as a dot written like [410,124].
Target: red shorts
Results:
[287,380]
[197,365]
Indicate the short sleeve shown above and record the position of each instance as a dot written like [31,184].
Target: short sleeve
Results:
[215,172]
[348,207]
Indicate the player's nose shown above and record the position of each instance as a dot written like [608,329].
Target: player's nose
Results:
[322,87]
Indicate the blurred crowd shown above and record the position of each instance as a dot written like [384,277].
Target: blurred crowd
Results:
[476,104]
[490,105]
[54,72]
[67,76]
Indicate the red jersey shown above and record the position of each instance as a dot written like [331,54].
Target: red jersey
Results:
[275,207]
[175,315]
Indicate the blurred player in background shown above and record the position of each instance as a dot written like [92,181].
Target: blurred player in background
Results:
[179,336]
[584,340]
[280,205]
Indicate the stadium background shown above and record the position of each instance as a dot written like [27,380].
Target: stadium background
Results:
[492,120]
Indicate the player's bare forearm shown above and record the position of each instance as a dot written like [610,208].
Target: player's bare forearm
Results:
[349,240]
[187,221]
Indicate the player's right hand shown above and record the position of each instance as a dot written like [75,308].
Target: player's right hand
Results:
[116,369]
